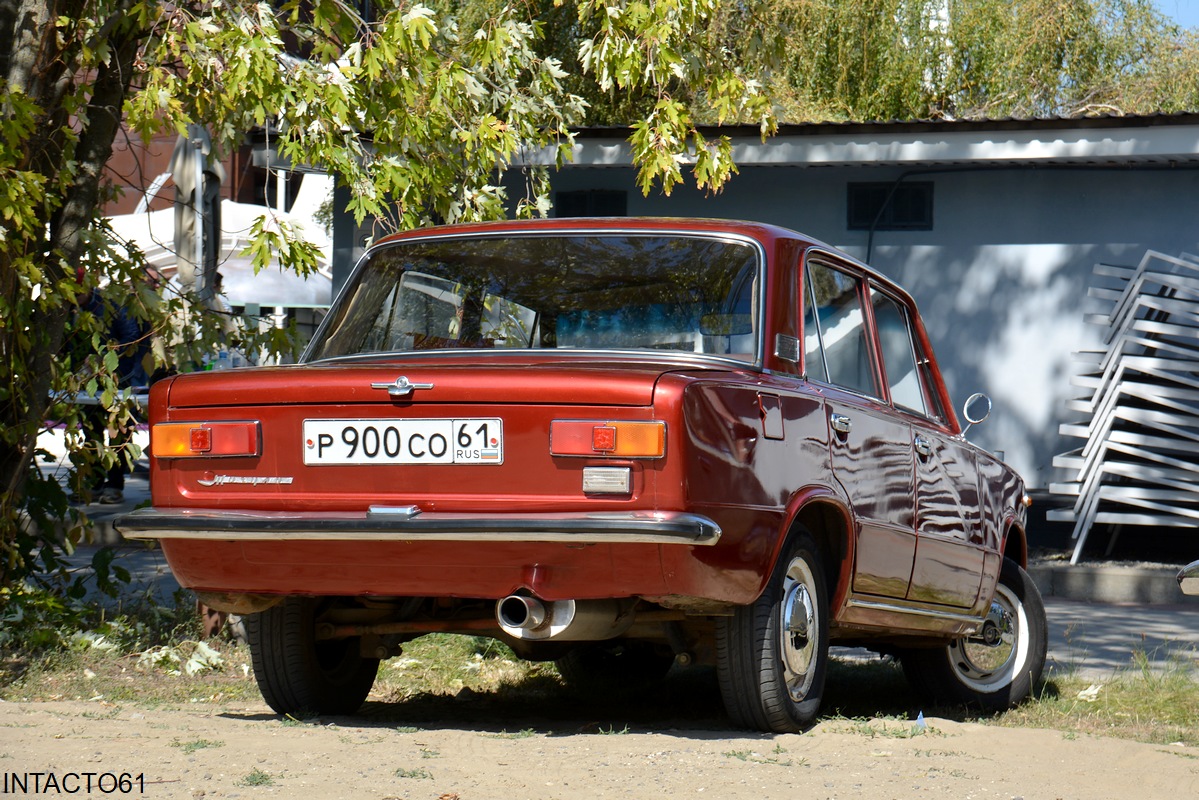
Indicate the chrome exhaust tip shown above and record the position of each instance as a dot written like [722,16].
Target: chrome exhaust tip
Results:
[524,617]
[519,612]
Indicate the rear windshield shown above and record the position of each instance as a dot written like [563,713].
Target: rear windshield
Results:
[594,291]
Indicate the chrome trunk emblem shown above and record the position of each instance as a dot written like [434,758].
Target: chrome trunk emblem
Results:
[402,387]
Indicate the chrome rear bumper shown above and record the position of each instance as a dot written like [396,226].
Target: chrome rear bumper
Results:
[407,523]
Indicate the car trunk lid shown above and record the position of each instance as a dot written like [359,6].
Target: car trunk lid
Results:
[531,382]
[502,414]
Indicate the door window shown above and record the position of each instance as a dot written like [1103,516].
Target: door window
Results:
[899,356]
[836,300]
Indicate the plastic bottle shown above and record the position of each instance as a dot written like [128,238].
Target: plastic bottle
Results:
[222,359]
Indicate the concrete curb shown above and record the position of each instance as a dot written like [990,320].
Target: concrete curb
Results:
[1110,583]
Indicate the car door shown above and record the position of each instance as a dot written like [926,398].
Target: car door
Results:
[949,537]
[870,449]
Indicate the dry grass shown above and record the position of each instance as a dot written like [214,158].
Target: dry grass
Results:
[1143,704]
[1147,705]
[451,666]
[125,678]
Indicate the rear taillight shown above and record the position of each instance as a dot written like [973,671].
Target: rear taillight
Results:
[205,439]
[615,438]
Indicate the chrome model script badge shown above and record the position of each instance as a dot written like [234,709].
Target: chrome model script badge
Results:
[246,480]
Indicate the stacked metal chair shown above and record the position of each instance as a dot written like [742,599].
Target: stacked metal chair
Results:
[1138,465]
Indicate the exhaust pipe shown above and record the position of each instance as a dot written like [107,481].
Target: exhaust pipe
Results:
[528,618]
[518,612]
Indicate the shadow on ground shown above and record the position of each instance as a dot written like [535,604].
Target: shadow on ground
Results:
[687,703]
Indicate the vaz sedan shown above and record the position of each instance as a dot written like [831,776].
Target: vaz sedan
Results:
[615,444]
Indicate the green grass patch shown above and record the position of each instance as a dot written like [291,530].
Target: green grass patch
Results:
[774,759]
[527,733]
[196,744]
[256,777]
[885,728]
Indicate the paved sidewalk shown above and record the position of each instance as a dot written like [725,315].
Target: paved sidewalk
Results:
[1099,639]
[136,492]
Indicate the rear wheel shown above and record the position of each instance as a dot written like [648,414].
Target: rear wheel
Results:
[625,666]
[299,674]
[997,667]
[772,656]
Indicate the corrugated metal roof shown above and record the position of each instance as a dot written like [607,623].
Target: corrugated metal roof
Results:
[1106,141]
[875,126]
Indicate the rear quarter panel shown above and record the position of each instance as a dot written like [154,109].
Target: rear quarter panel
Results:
[742,467]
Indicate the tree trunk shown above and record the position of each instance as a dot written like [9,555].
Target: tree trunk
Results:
[37,66]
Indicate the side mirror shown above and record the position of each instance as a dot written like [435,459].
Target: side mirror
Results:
[976,409]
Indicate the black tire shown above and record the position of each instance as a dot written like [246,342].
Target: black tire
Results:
[622,666]
[999,666]
[772,656]
[299,675]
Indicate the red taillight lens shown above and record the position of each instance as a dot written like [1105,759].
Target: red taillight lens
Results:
[205,439]
[201,440]
[603,438]
[622,439]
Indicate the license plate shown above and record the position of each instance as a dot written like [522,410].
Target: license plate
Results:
[403,441]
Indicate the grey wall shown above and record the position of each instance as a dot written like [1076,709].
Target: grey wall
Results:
[1001,279]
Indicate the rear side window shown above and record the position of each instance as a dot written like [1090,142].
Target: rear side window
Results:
[899,355]
[836,301]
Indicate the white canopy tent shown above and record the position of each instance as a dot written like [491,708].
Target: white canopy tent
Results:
[154,233]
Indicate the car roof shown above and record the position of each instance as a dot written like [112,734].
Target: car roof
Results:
[765,233]
[757,230]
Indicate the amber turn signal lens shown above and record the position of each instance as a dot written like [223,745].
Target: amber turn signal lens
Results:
[205,439]
[615,438]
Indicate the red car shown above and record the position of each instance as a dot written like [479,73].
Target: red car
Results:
[617,444]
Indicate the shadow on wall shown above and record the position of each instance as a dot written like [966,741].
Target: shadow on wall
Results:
[1005,320]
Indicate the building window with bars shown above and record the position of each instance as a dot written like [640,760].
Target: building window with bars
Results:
[890,206]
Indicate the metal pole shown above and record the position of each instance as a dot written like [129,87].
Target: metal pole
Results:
[280,188]
[198,205]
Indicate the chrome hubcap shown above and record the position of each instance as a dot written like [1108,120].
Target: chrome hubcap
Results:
[988,659]
[798,630]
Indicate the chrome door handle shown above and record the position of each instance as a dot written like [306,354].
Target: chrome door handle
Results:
[841,423]
[923,445]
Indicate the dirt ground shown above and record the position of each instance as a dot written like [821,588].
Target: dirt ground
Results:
[244,750]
